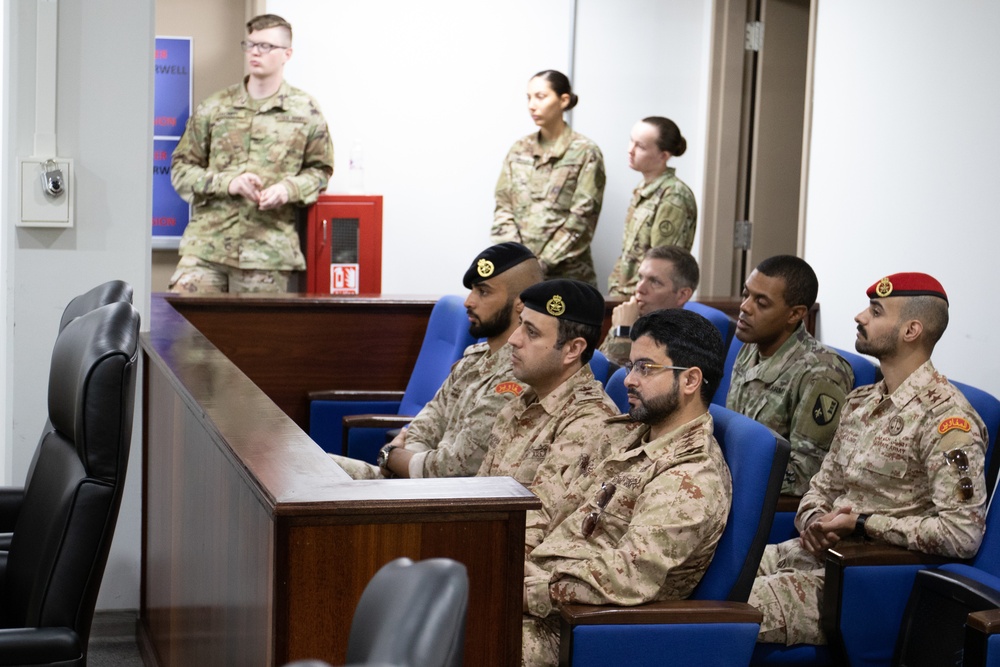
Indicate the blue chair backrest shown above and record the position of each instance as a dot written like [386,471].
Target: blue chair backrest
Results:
[757,457]
[725,324]
[616,389]
[600,367]
[445,340]
[988,408]
[865,370]
[735,345]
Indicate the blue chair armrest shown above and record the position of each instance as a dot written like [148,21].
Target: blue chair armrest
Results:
[701,632]
[865,594]
[326,419]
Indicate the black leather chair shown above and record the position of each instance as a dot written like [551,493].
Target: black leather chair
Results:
[112,291]
[411,615]
[66,516]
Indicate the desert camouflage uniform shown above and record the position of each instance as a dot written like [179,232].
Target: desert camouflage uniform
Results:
[543,444]
[549,198]
[654,540]
[663,212]
[617,349]
[887,461]
[450,433]
[798,392]
[283,139]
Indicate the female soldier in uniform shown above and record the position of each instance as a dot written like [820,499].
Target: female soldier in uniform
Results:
[549,194]
[663,210]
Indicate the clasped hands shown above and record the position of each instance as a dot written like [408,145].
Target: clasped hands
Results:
[827,530]
[251,187]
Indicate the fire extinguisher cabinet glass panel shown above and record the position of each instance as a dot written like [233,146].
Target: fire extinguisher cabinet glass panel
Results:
[344,245]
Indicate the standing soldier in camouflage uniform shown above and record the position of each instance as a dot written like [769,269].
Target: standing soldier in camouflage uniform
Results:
[550,190]
[783,377]
[663,210]
[448,437]
[641,525]
[906,466]
[542,438]
[249,156]
[668,276]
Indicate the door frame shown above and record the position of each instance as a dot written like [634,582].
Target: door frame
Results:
[720,205]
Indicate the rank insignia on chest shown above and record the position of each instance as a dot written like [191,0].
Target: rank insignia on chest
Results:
[509,387]
[825,409]
[951,423]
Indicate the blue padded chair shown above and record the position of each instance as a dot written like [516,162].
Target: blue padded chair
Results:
[937,622]
[714,626]
[988,408]
[600,367]
[445,340]
[865,370]
[735,345]
[725,324]
[616,389]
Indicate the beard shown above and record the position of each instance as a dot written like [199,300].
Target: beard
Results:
[494,326]
[657,408]
[880,346]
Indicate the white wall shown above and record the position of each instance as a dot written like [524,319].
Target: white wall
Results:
[103,121]
[903,166]
[435,91]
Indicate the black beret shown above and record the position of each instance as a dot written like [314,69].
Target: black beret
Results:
[567,300]
[495,260]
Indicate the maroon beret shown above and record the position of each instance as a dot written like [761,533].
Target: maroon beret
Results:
[907,284]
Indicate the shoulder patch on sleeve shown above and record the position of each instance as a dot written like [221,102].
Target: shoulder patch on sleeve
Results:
[509,387]
[951,423]
[825,409]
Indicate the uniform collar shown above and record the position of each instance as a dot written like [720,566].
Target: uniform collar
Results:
[912,386]
[770,369]
[684,441]
[276,101]
[647,190]
[555,150]
[581,382]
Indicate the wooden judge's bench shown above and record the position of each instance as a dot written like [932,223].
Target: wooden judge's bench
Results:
[255,544]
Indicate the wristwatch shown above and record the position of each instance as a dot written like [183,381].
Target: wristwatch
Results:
[859,526]
[621,331]
[383,457]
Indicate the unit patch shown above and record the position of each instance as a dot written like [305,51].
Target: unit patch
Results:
[952,423]
[825,409]
[509,387]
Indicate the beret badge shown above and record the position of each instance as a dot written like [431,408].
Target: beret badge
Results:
[484,268]
[555,306]
[884,287]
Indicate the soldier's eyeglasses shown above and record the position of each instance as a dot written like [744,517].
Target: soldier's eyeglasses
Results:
[603,498]
[644,368]
[263,47]
[959,459]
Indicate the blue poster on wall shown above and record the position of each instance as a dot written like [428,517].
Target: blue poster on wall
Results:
[172,105]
